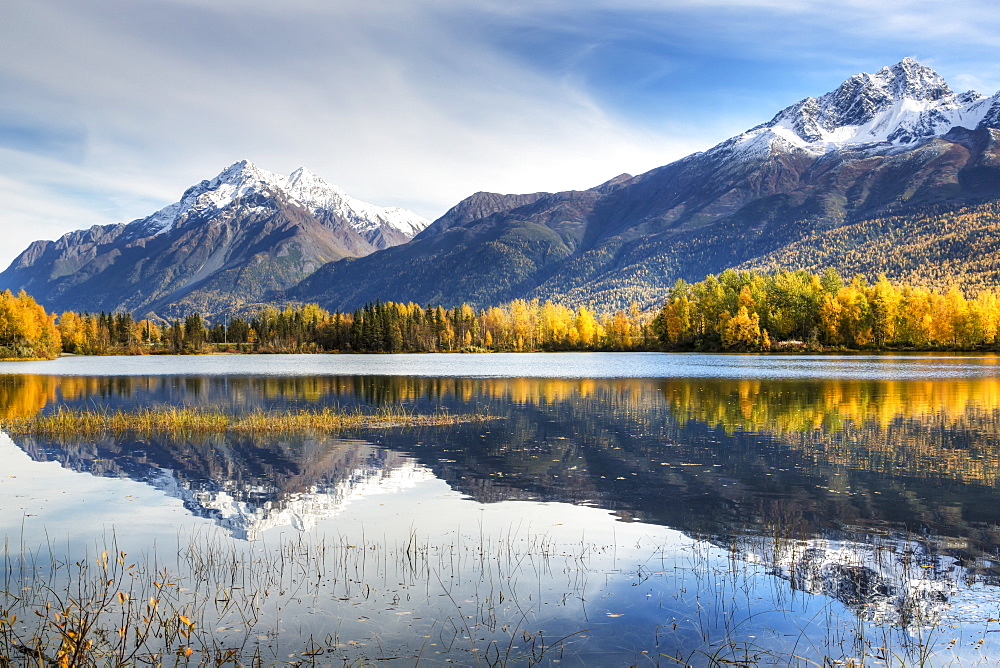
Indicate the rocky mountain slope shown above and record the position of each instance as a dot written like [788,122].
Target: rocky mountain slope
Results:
[226,243]
[899,140]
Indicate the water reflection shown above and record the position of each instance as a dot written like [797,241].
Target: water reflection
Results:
[880,494]
[24,396]
[887,579]
[773,406]
[244,485]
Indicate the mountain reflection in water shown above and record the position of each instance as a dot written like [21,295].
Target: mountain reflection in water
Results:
[882,495]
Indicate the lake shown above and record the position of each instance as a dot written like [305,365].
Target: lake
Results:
[603,509]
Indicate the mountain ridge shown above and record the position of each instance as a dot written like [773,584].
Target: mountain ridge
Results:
[899,144]
[898,141]
[227,241]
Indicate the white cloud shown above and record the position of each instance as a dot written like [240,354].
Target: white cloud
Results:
[393,101]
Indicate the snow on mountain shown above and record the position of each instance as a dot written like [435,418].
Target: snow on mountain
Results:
[245,178]
[321,197]
[899,106]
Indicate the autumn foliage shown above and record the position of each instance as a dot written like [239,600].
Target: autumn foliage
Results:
[378,327]
[930,247]
[26,330]
[733,311]
[800,310]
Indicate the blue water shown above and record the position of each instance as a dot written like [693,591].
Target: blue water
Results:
[639,505]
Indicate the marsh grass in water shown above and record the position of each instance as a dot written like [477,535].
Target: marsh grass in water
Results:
[487,600]
[223,604]
[76,423]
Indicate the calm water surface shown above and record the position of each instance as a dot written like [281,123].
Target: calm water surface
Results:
[530,365]
[617,509]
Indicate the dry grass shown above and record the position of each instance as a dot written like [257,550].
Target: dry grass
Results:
[68,422]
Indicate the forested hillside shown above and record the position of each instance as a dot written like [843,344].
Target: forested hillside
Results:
[935,247]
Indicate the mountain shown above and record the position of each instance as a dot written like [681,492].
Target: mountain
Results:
[889,173]
[897,142]
[226,243]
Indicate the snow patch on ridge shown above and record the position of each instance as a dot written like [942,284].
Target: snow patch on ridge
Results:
[244,178]
[314,192]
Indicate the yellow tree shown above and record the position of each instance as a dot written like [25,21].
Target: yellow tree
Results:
[830,313]
[523,317]
[885,303]
[71,332]
[587,327]
[742,331]
[26,330]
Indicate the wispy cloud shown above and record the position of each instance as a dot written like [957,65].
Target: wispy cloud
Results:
[113,107]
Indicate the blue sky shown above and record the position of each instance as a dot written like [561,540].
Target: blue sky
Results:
[111,108]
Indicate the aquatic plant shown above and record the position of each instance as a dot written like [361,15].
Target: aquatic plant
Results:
[69,422]
[468,600]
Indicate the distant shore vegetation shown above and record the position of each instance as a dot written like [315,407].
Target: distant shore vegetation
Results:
[742,311]
[379,327]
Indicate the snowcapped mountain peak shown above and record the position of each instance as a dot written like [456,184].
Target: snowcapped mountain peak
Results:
[244,178]
[898,105]
[243,170]
[303,179]
[237,180]
[909,79]
[311,190]
[323,198]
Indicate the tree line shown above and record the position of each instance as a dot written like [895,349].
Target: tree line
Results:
[731,311]
[377,327]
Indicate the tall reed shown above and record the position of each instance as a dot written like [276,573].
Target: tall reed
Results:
[149,421]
